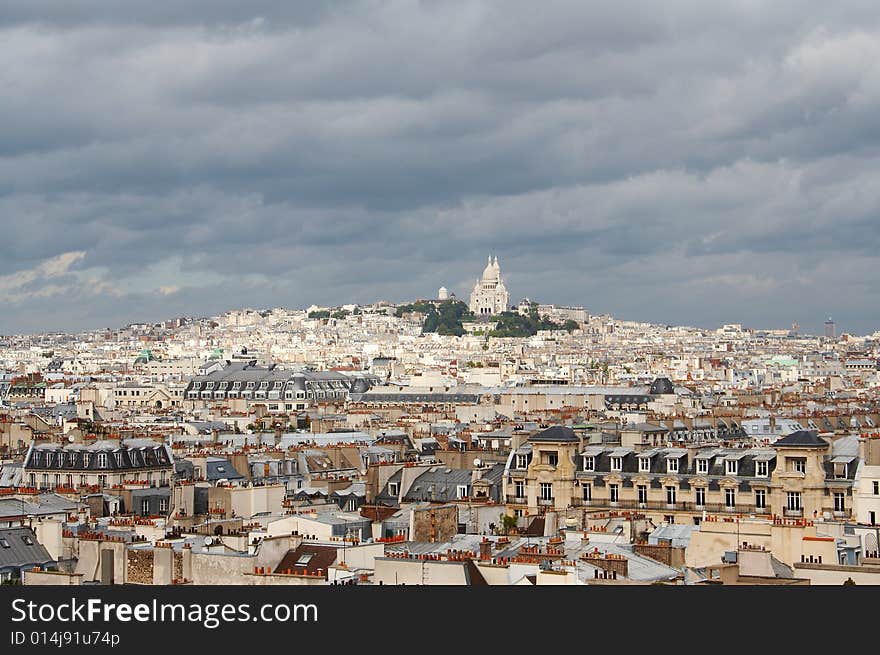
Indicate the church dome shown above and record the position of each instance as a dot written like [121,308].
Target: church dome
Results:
[489,271]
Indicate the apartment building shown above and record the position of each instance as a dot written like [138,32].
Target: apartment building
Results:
[802,476]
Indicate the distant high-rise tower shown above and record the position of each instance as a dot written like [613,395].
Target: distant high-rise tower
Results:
[830,329]
[490,295]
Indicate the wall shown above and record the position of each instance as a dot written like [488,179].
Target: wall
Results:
[33,578]
[433,524]
[139,566]
[417,572]
[824,574]
[669,555]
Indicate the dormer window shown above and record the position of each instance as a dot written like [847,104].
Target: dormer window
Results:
[730,466]
[49,459]
[521,461]
[797,464]
[264,385]
[102,460]
[87,458]
[393,489]
[702,466]
[118,457]
[644,464]
[551,458]
[617,463]
[761,469]
[589,463]
[461,491]
[236,385]
[672,465]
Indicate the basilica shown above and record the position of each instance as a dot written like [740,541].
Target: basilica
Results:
[490,296]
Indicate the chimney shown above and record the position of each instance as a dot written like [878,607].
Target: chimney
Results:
[485,550]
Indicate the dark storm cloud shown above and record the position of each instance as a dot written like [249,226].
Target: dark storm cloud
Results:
[694,163]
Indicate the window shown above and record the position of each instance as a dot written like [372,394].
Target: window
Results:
[876,488]
[87,458]
[102,460]
[118,457]
[617,463]
[546,491]
[462,491]
[4,543]
[730,497]
[33,480]
[702,466]
[49,457]
[700,496]
[642,493]
[793,500]
[102,480]
[760,499]
[163,505]
[614,492]
[589,463]
[670,495]
[761,469]
[797,464]
[145,507]
[730,466]
[28,541]
[45,480]
[839,502]
[393,489]
[588,492]
[519,489]
[644,464]
[520,461]
[551,458]
[672,465]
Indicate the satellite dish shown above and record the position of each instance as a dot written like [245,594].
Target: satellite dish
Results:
[477,462]
[209,541]
[70,438]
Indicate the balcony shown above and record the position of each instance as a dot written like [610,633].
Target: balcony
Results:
[680,506]
[517,500]
[793,513]
[546,502]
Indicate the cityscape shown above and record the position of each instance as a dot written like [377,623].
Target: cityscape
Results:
[472,440]
[306,303]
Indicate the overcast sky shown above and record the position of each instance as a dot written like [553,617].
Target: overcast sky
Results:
[684,162]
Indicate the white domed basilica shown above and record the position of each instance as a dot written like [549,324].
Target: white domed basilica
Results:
[489,295]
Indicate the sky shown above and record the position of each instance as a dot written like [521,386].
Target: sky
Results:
[685,162]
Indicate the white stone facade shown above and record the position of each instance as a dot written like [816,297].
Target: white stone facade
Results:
[490,296]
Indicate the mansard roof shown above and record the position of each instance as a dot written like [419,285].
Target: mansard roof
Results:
[556,433]
[802,439]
